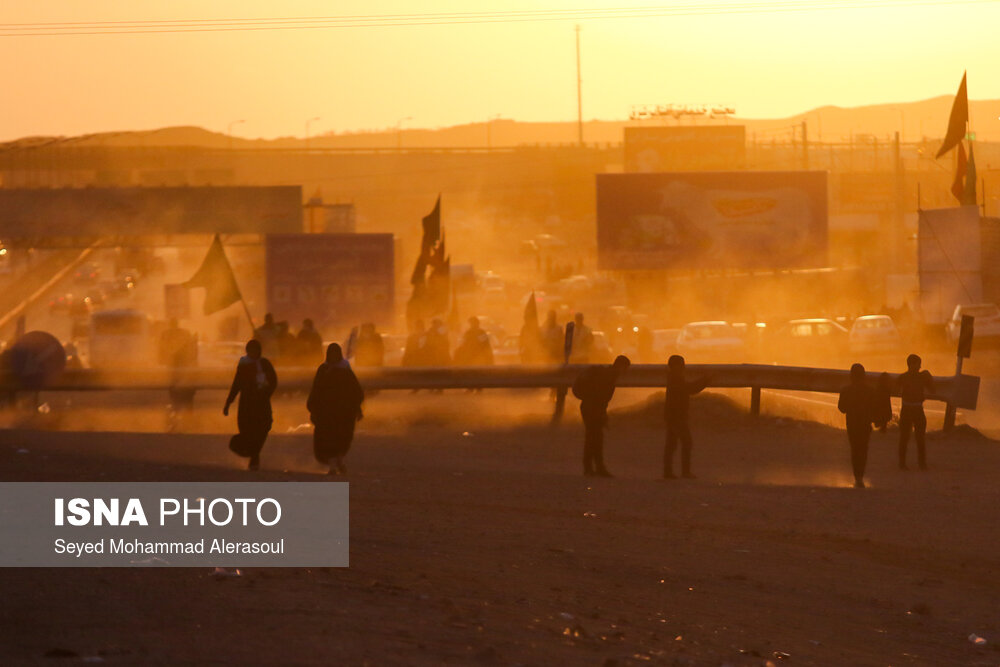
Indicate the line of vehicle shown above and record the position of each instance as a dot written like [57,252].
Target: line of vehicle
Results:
[17,310]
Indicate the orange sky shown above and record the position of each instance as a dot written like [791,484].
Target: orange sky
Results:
[765,64]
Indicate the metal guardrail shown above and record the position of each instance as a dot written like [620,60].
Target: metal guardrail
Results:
[958,390]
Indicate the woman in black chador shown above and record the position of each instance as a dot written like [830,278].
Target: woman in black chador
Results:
[255,381]
[334,406]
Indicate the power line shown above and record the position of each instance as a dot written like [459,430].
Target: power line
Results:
[454,18]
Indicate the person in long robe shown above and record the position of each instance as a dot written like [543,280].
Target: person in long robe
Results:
[334,406]
[254,382]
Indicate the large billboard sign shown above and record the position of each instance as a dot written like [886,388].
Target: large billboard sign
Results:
[712,220]
[97,212]
[949,261]
[338,280]
[685,148]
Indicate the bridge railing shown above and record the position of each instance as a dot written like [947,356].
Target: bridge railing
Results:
[958,390]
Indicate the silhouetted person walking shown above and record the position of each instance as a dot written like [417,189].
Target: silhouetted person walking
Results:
[859,402]
[369,350]
[334,406]
[437,349]
[178,350]
[267,334]
[594,387]
[913,385]
[475,348]
[413,353]
[255,382]
[553,339]
[310,343]
[676,409]
[583,341]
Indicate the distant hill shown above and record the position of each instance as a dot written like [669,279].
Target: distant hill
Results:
[926,119]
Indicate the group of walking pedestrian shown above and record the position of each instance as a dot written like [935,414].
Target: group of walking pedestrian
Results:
[278,342]
[866,406]
[596,385]
[336,397]
[334,406]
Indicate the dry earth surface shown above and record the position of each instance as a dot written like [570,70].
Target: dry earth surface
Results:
[475,540]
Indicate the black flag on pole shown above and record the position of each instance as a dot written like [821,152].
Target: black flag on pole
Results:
[218,279]
[432,227]
[957,122]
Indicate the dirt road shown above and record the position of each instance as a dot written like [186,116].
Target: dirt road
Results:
[478,542]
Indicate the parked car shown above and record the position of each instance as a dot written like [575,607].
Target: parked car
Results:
[220,354]
[601,352]
[61,304]
[508,351]
[873,333]
[809,340]
[394,345]
[87,274]
[549,242]
[665,343]
[80,309]
[96,297]
[710,341]
[116,289]
[120,339]
[987,324]
[129,275]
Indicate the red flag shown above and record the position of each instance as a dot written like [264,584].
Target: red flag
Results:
[959,119]
[958,185]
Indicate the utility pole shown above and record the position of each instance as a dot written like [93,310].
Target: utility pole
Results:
[579,93]
[897,234]
[805,147]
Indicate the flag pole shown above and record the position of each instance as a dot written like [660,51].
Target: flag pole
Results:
[246,310]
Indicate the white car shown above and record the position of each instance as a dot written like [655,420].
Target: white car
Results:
[873,333]
[665,343]
[713,341]
[508,351]
[987,324]
[394,346]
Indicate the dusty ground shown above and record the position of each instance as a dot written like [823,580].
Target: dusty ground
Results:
[474,540]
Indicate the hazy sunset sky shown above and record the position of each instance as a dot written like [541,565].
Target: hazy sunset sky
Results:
[764,62]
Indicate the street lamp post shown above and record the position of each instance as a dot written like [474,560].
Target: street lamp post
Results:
[399,132]
[308,123]
[229,131]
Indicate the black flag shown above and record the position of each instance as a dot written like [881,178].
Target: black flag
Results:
[959,119]
[432,227]
[216,276]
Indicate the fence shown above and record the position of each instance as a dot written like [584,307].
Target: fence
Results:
[960,391]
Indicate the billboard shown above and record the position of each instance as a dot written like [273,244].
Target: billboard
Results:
[712,220]
[949,261]
[336,280]
[691,148]
[97,212]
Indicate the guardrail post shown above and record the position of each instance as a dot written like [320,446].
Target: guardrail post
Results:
[755,401]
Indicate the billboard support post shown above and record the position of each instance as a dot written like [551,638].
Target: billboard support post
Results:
[964,350]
